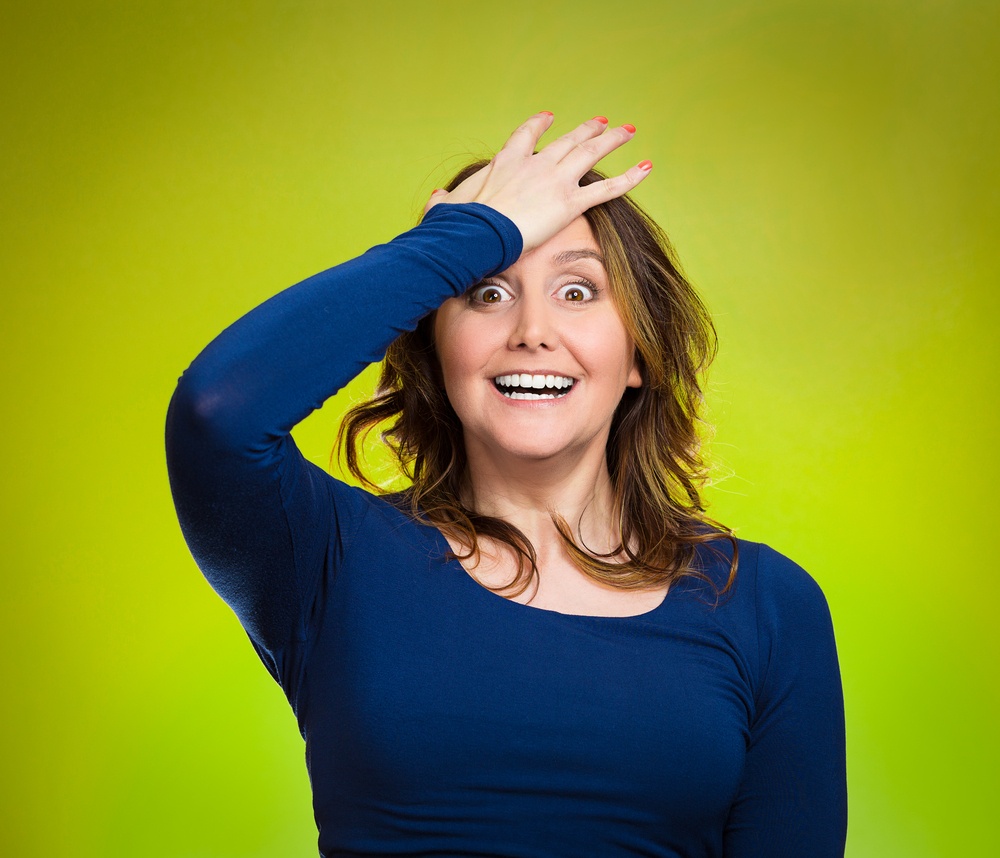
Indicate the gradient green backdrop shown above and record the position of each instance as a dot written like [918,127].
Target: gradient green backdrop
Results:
[828,171]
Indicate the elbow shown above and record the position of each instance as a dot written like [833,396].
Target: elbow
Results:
[202,412]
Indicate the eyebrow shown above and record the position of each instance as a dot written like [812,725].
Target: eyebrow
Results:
[573,255]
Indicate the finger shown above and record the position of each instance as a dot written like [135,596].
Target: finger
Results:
[526,136]
[587,153]
[614,186]
[560,147]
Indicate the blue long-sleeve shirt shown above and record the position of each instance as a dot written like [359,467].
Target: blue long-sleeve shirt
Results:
[441,719]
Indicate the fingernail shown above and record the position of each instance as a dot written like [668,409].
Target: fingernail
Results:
[646,165]
[629,128]
[602,119]
[546,112]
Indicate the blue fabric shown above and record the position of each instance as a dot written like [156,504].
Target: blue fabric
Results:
[441,719]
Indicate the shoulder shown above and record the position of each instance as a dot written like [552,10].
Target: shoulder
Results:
[782,588]
[772,598]
[762,573]
[794,629]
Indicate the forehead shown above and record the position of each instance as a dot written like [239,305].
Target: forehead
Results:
[574,242]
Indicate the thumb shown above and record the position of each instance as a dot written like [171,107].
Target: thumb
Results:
[436,197]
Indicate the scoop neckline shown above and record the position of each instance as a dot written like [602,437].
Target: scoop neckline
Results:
[456,567]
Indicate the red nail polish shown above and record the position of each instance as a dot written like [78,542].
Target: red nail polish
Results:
[602,119]
[629,128]
[547,112]
[646,165]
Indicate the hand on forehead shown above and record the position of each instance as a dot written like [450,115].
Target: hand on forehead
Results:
[540,191]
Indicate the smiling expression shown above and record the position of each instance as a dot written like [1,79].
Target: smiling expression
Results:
[535,360]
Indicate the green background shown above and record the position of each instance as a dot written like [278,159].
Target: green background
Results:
[829,174]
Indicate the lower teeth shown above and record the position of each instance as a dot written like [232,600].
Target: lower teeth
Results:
[519,395]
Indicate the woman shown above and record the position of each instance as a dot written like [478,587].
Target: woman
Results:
[515,658]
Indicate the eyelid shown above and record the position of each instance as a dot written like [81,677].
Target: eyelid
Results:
[474,295]
[580,283]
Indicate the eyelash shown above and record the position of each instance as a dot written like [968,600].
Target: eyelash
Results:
[581,282]
[475,293]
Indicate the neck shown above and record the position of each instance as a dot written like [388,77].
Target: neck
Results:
[527,494]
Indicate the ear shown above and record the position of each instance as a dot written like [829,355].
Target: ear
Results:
[635,373]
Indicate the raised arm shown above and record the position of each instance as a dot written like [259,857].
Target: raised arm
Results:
[266,527]
[259,520]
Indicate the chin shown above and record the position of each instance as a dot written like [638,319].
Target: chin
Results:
[539,449]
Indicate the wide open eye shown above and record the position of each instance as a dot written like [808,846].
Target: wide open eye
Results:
[578,292]
[488,293]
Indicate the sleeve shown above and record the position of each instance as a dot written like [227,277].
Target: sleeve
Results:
[267,528]
[793,798]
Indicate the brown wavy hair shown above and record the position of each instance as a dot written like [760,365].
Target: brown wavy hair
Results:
[654,449]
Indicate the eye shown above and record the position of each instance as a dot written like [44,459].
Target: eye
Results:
[488,293]
[578,292]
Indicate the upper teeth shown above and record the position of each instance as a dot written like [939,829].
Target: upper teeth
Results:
[537,381]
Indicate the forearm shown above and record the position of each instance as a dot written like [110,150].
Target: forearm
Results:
[268,370]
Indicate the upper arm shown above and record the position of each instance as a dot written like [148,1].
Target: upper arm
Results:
[262,523]
[793,798]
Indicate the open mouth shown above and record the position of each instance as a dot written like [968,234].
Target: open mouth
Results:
[525,386]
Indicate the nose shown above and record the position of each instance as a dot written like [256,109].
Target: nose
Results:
[533,324]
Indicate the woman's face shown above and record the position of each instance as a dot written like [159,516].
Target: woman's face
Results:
[536,359]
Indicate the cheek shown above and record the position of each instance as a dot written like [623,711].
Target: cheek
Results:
[613,349]
[446,348]
[451,358]
[465,343]
[460,355]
